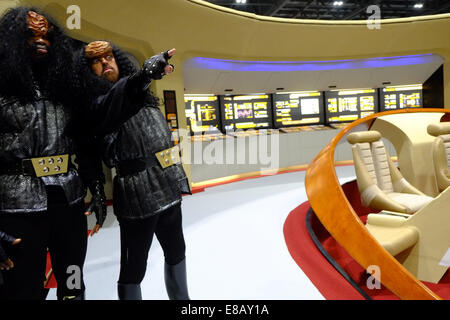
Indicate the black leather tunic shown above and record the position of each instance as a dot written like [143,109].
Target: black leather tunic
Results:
[154,189]
[29,130]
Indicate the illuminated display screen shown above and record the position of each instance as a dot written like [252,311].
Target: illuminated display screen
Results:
[401,97]
[350,105]
[246,112]
[202,113]
[297,108]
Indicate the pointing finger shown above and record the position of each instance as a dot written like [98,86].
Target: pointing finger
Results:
[168,54]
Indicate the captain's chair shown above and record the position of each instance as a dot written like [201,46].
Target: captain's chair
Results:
[441,153]
[380,183]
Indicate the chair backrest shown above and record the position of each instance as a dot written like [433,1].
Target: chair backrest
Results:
[371,150]
[380,183]
[380,157]
[441,152]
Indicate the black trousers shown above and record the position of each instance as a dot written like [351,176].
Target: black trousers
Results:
[136,239]
[62,229]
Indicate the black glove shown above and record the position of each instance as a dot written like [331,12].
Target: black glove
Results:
[152,69]
[8,239]
[98,202]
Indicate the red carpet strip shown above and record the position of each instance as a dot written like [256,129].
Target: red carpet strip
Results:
[322,274]
[347,280]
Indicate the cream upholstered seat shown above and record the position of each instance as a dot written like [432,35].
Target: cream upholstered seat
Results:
[441,153]
[420,242]
[391,232]
[380,183]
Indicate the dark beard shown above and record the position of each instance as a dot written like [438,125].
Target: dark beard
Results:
[40,66]
[97,86]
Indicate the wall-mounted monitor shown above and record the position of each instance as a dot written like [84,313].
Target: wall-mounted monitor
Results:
[202,113]
[401,97]
[241,112]
[350,105]
[297,108]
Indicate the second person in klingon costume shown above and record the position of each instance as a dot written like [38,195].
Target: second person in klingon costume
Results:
[150,181]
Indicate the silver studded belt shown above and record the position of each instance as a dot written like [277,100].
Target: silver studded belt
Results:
[38,167]
[164,158]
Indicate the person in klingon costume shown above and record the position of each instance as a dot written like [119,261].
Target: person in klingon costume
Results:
[150,180]
[41,191]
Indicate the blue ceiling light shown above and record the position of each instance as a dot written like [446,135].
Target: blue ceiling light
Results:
[281,66]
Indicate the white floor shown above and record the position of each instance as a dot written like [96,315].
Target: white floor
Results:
[235,245]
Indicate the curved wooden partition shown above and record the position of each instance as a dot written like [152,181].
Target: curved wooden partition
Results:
[331,206]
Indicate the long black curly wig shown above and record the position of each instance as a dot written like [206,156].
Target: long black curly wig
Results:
[58,80]
[93,85]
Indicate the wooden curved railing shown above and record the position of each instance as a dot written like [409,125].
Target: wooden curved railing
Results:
[331,206]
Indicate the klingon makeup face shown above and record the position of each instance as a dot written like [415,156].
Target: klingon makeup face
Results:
[39,26]
[102,60]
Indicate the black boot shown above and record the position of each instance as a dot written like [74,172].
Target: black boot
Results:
[176,282]
[80,297]
[129,291]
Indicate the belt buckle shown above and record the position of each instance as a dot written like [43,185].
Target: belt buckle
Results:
[168,157]
[50,166]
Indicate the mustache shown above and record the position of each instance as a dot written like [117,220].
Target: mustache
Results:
[36,46]
[107,66]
